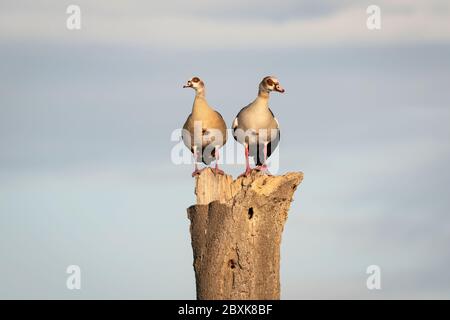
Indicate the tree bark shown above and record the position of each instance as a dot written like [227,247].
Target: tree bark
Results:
[236,229]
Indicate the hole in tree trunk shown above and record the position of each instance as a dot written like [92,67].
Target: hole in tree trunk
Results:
[232,264]
[250,213]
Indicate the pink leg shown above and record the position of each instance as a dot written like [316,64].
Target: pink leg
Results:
[196,169]
[264,166]
[248,170]
[216,169]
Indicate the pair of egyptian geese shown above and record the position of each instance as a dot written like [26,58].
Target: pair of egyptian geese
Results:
[255,126]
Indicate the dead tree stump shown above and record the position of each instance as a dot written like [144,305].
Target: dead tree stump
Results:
[236,229]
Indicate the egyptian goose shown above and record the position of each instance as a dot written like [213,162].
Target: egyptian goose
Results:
[204,131]
[256,127]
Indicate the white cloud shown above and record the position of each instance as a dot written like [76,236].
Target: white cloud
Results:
[204,25]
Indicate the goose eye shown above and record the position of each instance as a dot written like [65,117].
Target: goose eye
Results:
[270,82]
[195,79]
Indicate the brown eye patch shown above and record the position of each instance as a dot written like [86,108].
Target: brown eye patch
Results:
[195,79]
[270,82]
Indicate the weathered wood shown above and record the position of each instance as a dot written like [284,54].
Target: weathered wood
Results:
[236,229]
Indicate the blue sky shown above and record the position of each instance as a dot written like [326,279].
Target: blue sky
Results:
[86,117]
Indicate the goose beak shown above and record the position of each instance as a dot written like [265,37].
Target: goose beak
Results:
[188,85]
[279,89]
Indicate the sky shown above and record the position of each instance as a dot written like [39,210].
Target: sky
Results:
[86,118]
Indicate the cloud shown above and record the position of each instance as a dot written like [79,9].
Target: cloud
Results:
[217,25]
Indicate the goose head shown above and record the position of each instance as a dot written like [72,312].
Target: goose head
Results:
[269,84]
[195,83]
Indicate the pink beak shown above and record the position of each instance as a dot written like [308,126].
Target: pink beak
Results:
[279,89]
